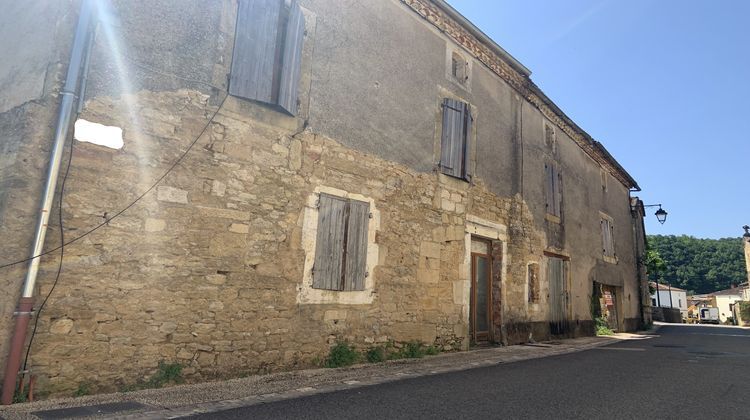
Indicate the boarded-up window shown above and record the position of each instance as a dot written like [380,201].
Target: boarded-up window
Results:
[553,189]
[341,244]
[454,143]
[608,237]
[267,52]
[533,280]
[459,68]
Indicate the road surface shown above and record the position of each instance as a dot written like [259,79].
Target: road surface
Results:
[681,372]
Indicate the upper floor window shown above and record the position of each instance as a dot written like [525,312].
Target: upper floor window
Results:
[533,283]
[341,244]
[550,138]
[608,239]
[267,52]
[553,189]
[459,68]
[454,142]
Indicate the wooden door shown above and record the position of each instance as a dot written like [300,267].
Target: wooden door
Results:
[481,291]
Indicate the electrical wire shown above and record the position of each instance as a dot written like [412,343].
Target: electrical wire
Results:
[137,199]
[59,265]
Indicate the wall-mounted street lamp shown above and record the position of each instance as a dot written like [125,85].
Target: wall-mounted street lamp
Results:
[661,214]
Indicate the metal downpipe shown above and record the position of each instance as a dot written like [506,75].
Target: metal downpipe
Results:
[25,305]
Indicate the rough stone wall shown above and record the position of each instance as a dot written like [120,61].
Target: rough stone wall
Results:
[204,271]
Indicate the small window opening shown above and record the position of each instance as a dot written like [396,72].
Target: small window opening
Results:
[533,279]
[459,68]
[100,134]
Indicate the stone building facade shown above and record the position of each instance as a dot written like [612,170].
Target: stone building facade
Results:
[219,267]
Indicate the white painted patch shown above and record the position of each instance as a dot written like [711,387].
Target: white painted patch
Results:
[103,135]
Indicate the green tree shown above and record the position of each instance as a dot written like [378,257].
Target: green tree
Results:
[699,265]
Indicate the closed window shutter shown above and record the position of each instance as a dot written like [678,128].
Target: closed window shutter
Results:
[468,120]
[453,152]
[329,243]
[549,188]
[356,246]
[608,242]
[558,192]
[290,71]
[254,56]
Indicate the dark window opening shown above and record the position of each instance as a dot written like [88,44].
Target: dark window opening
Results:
[533,283]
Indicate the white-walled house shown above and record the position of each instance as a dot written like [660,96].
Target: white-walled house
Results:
[725,300]
[670,297]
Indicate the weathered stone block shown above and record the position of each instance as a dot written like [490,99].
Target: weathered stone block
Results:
[171,194]
[428,276]
[61,326]
[430,249]
[239,228]
[155,225]
[331,315]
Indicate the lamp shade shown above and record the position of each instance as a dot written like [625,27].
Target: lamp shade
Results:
[661,215]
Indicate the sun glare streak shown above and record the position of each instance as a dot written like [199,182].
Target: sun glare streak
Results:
[109,27]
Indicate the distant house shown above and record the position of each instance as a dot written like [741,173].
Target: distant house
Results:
[725,301]
[696,302]
[670,297]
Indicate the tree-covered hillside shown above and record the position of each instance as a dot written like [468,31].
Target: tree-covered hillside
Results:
[700,265]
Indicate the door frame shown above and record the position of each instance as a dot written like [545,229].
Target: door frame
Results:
[483,336]
[566,284]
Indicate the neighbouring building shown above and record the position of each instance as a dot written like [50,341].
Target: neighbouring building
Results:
[364,171]
[667,296]
[725,301]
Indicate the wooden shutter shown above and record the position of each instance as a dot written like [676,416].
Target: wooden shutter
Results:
[453,139]
[549,188]
[558,191]
[468,120]
[329,243]
[356,245]
[290,70]
[608,245]
[254,56]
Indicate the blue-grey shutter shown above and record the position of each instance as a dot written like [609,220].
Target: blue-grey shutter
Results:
[254,56]
[549,188]
[606,238]
[468,120]
[452,143]
[329,243]
[558,192]
[356,245]
[290,70]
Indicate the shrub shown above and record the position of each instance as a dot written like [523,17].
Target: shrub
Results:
[83,389]
[342,354]
[166,373]
[412,350]
[602,328]
[376,354]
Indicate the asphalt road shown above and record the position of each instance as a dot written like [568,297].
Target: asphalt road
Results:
[697,372]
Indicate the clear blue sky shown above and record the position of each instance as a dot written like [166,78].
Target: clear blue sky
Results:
[663,84]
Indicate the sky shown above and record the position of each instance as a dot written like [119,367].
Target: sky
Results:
[663,84]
